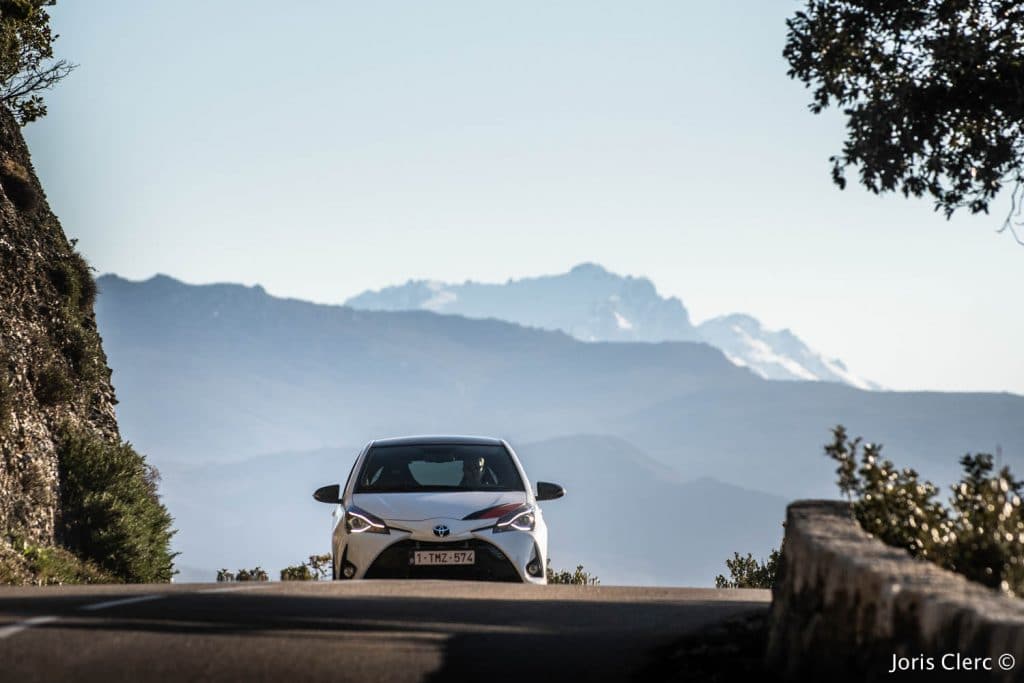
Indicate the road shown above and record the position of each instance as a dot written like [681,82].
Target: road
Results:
[378,631]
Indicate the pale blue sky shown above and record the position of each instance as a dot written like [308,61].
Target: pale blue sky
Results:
[323,148]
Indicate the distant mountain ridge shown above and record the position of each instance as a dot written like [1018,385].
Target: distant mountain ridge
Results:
[592,304]
[211,376]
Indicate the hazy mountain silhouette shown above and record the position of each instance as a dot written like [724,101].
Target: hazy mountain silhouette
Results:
[592,304]
[222,372]
[210,376]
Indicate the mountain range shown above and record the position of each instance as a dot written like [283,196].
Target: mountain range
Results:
[592,304]
[229,391]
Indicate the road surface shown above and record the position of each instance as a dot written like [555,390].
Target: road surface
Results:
[377,631]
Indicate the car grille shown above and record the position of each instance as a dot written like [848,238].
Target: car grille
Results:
[491,563]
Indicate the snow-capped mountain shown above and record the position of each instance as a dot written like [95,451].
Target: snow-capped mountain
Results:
[588,303]
[774,354]
[593,304]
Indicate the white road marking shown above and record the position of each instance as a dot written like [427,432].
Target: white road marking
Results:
[7,631]
[233,589]
[117,603]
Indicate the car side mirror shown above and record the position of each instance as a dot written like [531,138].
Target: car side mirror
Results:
[328,494]
[548,491]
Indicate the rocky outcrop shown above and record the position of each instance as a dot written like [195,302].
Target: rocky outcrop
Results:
[850,608]
[52,368]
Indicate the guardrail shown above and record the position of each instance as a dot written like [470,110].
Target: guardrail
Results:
[847,607]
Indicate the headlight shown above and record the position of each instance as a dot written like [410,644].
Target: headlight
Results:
[359,521]
[520,519]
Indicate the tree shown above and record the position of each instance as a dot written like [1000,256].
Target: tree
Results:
[580,577]
[933,92]
[27,66]
[747,572]
[980,534]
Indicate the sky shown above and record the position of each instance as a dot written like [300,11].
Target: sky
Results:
[322,148]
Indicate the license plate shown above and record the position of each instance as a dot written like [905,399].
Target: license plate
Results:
[435,557]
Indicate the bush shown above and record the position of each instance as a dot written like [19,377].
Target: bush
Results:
[980,534]
[746,572]
[110,511]
[579,577]
[298,572]
[318,567]
[50,565]
[255,574]
[72,278]
[17,185]
[52,385]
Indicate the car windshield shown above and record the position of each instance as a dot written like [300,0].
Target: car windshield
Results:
[438,467]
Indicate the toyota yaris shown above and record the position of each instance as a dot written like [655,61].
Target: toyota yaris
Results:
[439,507]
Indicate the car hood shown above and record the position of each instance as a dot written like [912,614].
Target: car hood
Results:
[433,504]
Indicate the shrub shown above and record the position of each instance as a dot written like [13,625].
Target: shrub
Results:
[578,577]
[72,278]
[298,572]
[255,574]
[51,565]
[317,568]
[110,511]
[747,572]
[52,385]
[980,534]
[17,185]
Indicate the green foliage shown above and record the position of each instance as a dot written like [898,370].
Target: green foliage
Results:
[255,574]
[578,577]
[111,513]
[747,572]
[981,532]
[933,92]
[72,277]
[50,565]
[986,541]
[26,58]
[317,568]
[52,385]
[298,572]
[892,504]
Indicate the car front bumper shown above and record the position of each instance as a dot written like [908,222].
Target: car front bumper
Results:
[503,556]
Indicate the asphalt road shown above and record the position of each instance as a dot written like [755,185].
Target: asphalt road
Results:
[377,631]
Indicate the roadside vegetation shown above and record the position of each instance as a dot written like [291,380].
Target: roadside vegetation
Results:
[748,572]
[111,515]
[317,568]
[580,577]
[22,562]
[979,532]
[257,573]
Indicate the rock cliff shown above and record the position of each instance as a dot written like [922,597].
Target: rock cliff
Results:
[53,371]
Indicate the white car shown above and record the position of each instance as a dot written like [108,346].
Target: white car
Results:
[439,507]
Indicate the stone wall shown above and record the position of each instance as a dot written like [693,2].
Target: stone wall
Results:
[846,604]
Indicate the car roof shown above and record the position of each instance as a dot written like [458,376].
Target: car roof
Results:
[436,440]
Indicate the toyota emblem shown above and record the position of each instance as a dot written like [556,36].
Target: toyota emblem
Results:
[441,531]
